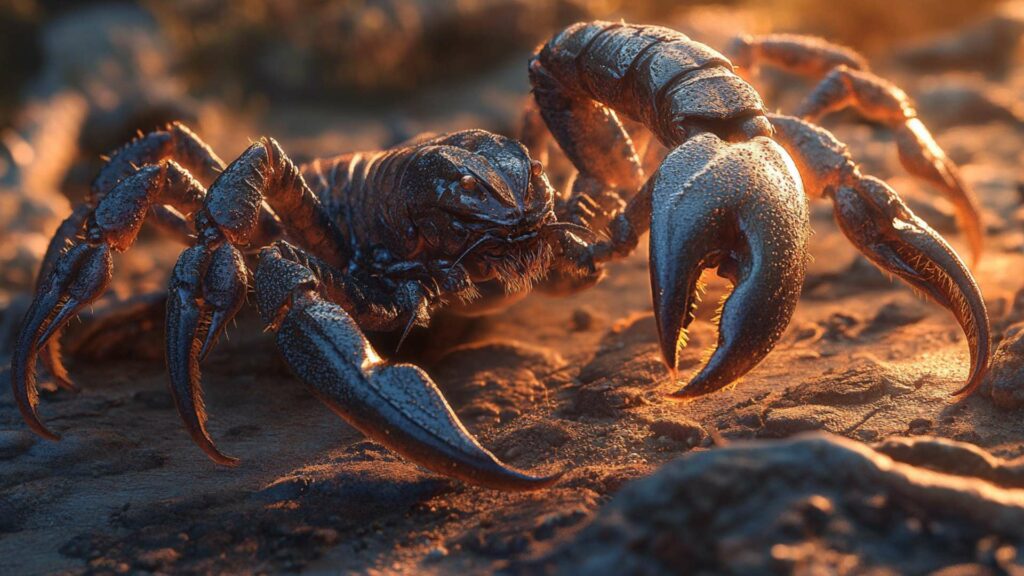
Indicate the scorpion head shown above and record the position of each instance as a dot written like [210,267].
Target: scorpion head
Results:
[476,199]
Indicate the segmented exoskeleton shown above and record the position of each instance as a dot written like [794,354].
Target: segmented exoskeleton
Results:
[467,221]
[374,241]
[730,193]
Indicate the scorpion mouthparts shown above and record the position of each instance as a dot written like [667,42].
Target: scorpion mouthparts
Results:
[701,219]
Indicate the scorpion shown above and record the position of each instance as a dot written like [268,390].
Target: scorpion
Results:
[469,222]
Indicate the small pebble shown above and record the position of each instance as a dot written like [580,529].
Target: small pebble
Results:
[436,553]
[582,319]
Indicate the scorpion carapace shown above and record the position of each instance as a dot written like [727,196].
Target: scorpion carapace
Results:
[374,241]
[731,192]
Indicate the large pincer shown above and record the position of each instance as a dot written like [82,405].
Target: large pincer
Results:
[740,208]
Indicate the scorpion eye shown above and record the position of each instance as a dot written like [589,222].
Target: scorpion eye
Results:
[467,182]
[536,167]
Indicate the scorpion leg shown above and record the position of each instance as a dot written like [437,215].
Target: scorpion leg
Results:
[175,142]
[207,288]
[737,207]
[397,405]
[795,53]
[849,83]
[209,281]
[66,233]
[881,101]
[885,230]
[80,274]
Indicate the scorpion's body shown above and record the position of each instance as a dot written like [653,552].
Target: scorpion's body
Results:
[380,240]
[360,189]
[373,197]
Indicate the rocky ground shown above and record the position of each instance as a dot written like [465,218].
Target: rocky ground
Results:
[843,452]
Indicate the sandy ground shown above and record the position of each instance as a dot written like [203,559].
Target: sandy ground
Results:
[558,384]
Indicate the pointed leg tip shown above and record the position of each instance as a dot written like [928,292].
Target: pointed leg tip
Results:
[706,381]
[671,366]
[218,457]
[976,247]
[670,358]
[691,391]
[66,384]
[683,393]
[539,482]
[972,384]
[673,373]
[47,434]
[513,480]
[39,428]
[28,413]
[227,461]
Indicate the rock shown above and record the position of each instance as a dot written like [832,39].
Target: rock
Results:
[840,326]
[920,426]
[605,399]
[549,524]
[952,457]
[157,559]
[854,510]
[436,553]
[538,441]
[866,380]
[585,318]
[497,380]
[681,430]
[835,400]
[380,485]
[968,100]
[782,422]
[989,44]
[1003,383]
[605,479]
[1017,309]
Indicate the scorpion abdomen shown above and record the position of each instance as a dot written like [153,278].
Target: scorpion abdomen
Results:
[361,191]
[653,75]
